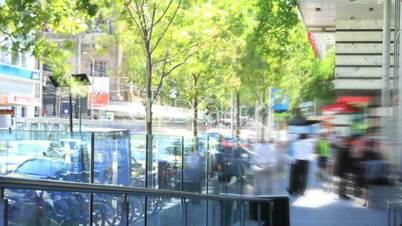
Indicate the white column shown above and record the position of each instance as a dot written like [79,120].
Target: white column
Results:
[385,94]
[397,147]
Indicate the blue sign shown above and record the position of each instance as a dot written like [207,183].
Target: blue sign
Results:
[280,102]
[18,72]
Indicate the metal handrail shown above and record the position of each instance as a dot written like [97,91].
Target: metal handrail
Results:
[390,211]
[52,185]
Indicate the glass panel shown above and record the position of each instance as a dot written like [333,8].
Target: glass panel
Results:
[231,213]
[196,212]
[194,165]
[214,213]
[28,208]
[214,162]
[164,211]
[249,220]
[167,155]
[112,158]
[138,160]
[136,210]
[45,155]
[108,210]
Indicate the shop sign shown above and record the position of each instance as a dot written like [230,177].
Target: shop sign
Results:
[98,92]
[18,72]
[6,112]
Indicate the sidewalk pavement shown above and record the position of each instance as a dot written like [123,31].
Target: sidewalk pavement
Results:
[321,208]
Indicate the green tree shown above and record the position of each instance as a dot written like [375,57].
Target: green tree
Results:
[267,51]
[24,26]
[307,77]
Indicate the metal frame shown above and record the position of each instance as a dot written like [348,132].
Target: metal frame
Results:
[392,210]
[90,188]
[51,185]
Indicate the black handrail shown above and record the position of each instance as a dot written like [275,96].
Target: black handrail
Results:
[54,185]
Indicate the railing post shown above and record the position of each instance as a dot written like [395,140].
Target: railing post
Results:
[222,219]
[271,212]
[183,212]
[242,213]
[259,214]
[389,213]
[3,209]
[207,179]
[92,178]
[182,164]
[125,211]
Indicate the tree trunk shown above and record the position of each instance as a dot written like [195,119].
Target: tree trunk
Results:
[257,120]
[148,117]
[263,112]
[149,96]
[232,109]
[195,117]
[238,114]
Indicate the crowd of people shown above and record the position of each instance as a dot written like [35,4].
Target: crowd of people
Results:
[354,161]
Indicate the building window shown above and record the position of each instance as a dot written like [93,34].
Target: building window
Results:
[23,111]
[14,58]
[23,60]
[37,90]
[100,69]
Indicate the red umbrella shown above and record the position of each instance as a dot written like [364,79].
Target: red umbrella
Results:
[341,107]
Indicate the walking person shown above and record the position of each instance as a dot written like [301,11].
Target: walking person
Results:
[303,149]
[265,164]
[323,155]
[344,164]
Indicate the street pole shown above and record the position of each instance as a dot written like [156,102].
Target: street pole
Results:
[385,94]
[70,102]
[232,117]
[397,157]
[92,88]
[78,71]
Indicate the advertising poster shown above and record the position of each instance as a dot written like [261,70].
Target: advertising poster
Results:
[280,102]
[98,92]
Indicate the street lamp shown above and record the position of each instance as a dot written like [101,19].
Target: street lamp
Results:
[92,78]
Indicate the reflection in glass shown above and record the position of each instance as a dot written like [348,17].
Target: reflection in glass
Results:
[28,207]
[164,211]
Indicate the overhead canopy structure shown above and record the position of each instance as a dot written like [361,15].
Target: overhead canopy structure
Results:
[357,27]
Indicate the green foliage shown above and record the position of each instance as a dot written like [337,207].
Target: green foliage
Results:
[306,76]
[24,24]
[267,48]
[246,46]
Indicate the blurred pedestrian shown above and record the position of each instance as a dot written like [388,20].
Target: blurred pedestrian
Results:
[265,164]
[303,149]
[344,166]
[323,150]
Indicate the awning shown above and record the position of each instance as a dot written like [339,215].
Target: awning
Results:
[338,108]
[354,99]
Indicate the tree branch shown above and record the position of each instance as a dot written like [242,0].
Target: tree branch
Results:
[184,51]
[142,21]
[256,93]
[163,14]
[151,28]
[10,36]
[167,73]
[137,24]
[167,27]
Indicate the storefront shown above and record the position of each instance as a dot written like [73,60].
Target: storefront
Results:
[20,91]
